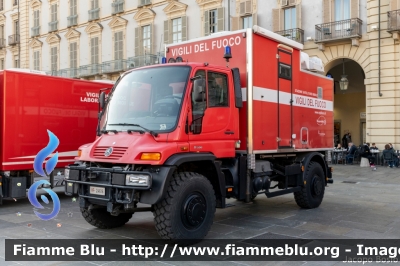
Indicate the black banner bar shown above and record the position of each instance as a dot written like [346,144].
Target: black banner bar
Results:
[353,250]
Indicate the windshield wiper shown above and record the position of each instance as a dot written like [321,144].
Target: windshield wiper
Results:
[104,131]
[155,134]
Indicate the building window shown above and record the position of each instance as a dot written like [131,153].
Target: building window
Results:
[94,4]
[73,55]
[1,5]
[16,62]
[16,27]
[118,45]
[177,30]
[36,18]
[53,13]
[1,32]
[73,8]
[290,18]
[2,64]
[247,22]
[213,21]
[146,38]
[342,10]
[36,60]
[94,50]
[54,58]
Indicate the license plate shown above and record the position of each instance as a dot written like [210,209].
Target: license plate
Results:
[98,191]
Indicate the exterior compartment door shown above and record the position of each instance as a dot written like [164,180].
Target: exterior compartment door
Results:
[285,98]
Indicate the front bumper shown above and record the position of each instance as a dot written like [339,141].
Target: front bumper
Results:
[82,178]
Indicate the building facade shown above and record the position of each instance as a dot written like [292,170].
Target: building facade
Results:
[99,39]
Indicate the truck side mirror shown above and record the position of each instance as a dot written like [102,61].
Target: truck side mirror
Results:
[199,90]
[102,99]
[238,88]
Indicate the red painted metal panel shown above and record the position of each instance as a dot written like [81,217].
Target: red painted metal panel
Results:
[33,104]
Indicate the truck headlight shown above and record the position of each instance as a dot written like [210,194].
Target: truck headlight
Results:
[137,180]
[66,173]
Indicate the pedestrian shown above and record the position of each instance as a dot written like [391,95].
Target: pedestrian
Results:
[366,153]
[390,156]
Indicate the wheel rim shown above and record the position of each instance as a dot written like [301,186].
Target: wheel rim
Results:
[316,186]
[194,210]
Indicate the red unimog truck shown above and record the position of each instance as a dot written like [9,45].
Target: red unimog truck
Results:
[185,135]
[31,104]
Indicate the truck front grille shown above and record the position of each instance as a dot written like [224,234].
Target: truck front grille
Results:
[117,153]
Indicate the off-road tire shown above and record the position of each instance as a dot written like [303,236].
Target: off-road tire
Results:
[312,194]
[100,218]
[187,210]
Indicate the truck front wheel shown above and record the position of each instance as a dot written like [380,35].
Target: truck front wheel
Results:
[188,208]
[100,218]
[311,195]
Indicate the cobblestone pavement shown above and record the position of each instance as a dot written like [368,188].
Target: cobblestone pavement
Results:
[361,203]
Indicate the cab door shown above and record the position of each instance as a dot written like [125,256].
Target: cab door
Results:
[214,125]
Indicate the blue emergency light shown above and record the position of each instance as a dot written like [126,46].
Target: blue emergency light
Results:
[228,53]
[164,60]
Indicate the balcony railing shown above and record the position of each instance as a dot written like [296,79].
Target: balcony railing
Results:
[115,66]
[142,60]
[293,34]
[89,70]
[53,26]
[343,29]
[2,43]
[72,20]
[117,7]
[68,73]
[94,14]
[13,39]
[35,31]
[393,21]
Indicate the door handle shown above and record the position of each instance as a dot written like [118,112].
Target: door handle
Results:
[229,132]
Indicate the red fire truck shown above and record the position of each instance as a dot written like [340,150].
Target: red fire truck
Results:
[183,136]
[31,104]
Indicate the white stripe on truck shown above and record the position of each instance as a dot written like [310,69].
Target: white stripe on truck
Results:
[270,95]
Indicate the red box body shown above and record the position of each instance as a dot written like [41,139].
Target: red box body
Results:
[31,104]
[278,114]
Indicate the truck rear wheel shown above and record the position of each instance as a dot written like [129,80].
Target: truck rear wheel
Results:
[100,218]
[188,208]
[311,195]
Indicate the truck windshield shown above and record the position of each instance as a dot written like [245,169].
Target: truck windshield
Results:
[150,98]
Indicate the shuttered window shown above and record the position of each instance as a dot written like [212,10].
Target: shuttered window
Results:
[53,13]
[118,45]
[53,58]
[73,55]
[94,4]
[36,60]
[290,18]
[247,22]
[146,39]
[36,18]
[176,30]
[16,27]
[94,50]
[214,21]
[342,10]
[73,8]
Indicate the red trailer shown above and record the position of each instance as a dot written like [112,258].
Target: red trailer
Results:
[31,104]
[230,115]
